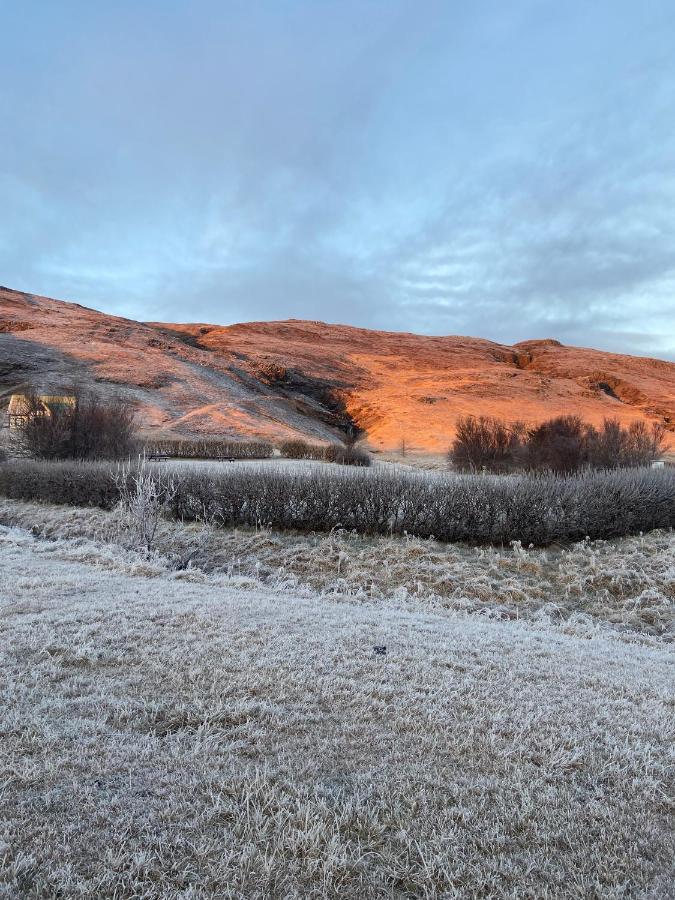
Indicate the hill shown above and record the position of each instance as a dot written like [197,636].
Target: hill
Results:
[295,378]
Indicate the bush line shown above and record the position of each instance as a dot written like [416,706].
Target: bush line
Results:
[344,454]
[179,448]
[564,444]
[479,509]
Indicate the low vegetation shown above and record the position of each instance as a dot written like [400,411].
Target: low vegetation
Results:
[564,444]
[83,427]
[345,454]
[175,735]
[208,448]
[536,509]
[627,582]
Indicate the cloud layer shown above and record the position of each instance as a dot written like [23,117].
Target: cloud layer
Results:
[502,170]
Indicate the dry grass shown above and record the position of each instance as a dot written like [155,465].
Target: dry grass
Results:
[173,734]
[628,582]
[397,386]
[415,459]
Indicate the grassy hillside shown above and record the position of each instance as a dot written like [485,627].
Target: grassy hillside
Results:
[279,380]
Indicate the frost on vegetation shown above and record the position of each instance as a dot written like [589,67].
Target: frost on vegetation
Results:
[540,509]
[175,739]
[144,497]
[628,582]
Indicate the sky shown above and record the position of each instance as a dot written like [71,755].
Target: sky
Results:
[502,170]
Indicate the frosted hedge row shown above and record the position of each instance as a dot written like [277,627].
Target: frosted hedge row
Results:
[208,449]
[537,509]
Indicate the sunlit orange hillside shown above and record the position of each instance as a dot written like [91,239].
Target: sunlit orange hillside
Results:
[295,378]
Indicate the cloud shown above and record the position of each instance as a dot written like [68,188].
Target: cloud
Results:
[499,171]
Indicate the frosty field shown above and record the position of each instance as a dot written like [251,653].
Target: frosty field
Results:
[181,734]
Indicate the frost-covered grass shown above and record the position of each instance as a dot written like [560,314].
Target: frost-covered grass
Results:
[176,734]
[628,582]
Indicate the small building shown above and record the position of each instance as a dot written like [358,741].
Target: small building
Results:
[23,406]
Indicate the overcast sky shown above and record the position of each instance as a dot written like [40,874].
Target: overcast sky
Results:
[499,169]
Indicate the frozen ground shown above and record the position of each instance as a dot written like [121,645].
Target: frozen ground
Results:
[629,582]
[175,734]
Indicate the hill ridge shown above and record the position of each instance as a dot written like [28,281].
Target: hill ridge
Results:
[296,377]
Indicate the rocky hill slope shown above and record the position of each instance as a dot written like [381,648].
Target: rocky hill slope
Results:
[294,378]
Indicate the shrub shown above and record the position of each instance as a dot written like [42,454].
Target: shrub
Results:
[144,496]
[643,444]
[208,448]
[564,444]
[537,509]
[74,483]
[558,445]
[46,430]
[297,449]
[345,454]
[606,446]
[84,427]
[486,443]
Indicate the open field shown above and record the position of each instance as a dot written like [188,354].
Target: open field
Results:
[176,734]
[273,464]
[433,465]
[208,718]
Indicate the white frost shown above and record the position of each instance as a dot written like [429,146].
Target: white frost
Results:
[162,737]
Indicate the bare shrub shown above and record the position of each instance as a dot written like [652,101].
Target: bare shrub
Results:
[605,447]
[45,432]
[558,445]
[481,509]
[297,449]
[85,427]
[644,444]
[208,448]
[347,454]
[564,444]
[144,497]
[102,429]
[486,443]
